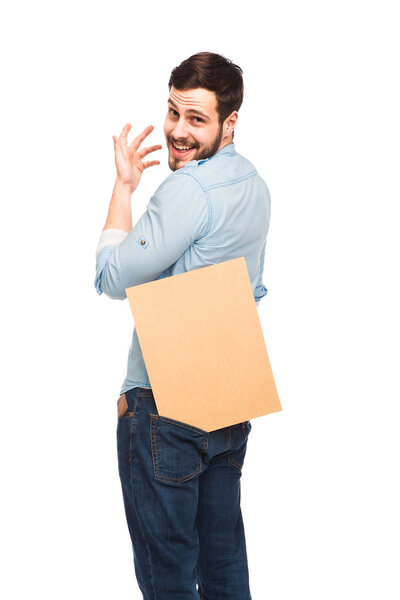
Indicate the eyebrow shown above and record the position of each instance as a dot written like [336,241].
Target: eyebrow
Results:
[191,110]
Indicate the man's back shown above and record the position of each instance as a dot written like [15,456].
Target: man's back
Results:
[239,212]
[207,212]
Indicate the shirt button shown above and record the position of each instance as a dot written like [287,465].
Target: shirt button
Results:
[143,242]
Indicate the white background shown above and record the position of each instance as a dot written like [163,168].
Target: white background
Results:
[320,121]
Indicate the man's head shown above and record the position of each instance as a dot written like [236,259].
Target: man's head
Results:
[206,92]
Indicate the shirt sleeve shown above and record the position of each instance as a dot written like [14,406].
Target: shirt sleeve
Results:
[177,215]
[110,237]
[260,290]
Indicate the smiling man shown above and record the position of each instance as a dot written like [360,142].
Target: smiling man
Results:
[197,107]
[180,484]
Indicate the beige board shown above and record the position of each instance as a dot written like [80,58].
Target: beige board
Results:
[203,346]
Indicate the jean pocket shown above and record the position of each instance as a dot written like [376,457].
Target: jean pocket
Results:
[176,449]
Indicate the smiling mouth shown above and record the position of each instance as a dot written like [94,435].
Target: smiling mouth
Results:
[181,150]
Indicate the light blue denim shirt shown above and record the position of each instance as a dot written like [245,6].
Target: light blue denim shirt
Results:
[207,212]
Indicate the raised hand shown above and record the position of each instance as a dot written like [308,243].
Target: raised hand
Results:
[128,159]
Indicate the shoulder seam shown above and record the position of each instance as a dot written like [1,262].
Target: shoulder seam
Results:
[204,190]
[232,181]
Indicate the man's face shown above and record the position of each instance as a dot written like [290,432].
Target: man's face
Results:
[192,128]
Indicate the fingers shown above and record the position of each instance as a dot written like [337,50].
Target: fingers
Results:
[145,151]
[136,143]
[150,163]
[139,139]
[124,133]
[120,146]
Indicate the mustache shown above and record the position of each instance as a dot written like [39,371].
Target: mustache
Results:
[183,142]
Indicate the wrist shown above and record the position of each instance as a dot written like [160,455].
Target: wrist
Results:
[124,187]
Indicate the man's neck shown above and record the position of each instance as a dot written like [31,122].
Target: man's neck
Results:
[225,143]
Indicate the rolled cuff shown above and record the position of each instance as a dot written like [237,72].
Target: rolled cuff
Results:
[110,237]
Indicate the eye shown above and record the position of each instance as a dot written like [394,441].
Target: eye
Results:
[173,112]
[199,119]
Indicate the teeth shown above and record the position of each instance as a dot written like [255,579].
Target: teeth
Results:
[182,147]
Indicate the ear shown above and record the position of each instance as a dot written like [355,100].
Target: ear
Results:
[230,123]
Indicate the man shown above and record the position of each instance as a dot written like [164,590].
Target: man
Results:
[180,484]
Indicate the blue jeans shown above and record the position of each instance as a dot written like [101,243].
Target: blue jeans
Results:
[181,492]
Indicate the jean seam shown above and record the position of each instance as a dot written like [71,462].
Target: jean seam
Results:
[205,445]
[131,432]
[178,423]
[153,442]
[236,464]
[228,443]
[200,584]
[243,425]
[153,589]
[142,394]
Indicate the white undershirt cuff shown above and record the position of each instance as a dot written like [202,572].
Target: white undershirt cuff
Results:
[110,237]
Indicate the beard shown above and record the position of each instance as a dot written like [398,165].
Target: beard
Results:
[201,153]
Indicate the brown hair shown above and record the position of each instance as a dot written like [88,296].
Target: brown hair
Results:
[213,72]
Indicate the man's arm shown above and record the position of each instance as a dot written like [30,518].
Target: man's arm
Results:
[130,166]
[176,216]
[120,209]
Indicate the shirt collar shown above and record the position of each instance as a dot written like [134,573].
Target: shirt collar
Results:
[229,149]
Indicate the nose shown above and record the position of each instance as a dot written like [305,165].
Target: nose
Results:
[180,129]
